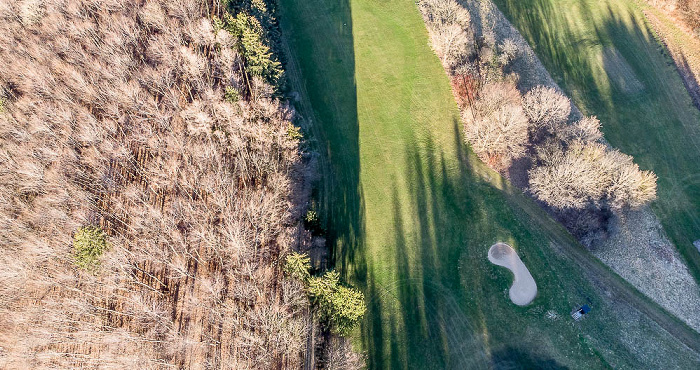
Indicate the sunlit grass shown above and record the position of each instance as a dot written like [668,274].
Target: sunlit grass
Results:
[657,124]
[412,212]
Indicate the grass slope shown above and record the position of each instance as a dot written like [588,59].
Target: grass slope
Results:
[412,212]
[656,124]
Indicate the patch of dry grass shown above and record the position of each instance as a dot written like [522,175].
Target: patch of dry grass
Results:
[682,44]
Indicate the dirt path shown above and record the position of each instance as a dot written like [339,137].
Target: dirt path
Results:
[524,289]
[613,285]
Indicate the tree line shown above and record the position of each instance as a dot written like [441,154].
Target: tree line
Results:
[568,165]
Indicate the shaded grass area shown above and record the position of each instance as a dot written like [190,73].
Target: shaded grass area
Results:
[656,124]
[411,212]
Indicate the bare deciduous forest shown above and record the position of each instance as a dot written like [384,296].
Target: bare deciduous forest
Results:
[152,122]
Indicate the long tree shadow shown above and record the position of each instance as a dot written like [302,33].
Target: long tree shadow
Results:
[435,318]
[322,70]
[433,299]
[511,358]
[427,323]
[605,57]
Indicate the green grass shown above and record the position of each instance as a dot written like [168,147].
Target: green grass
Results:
[411,212]
[659,126]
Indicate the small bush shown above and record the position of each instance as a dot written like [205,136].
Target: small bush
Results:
[313,223]
[509,51]
[231,94]
[294,132]
[88,245]
[297,266]
[340,307]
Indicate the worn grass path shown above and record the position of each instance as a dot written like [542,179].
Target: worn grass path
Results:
[411,213]
[603,54]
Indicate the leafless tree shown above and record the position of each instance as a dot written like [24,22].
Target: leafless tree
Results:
[449,27]
[588,174]
[630,187]
[339,355]
[586,129]
[546,108]
[570,178]
[496,125]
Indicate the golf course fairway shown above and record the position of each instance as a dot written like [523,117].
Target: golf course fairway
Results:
[411,213]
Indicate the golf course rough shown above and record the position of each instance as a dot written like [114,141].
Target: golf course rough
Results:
[524,288]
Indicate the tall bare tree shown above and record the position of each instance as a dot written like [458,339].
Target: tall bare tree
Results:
[546,108]
[496,125]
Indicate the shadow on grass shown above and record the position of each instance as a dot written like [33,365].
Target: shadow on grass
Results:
[654,121]
[439,304]
[420,320]
[424,318]
[429,314]
[324,70]
[512,358]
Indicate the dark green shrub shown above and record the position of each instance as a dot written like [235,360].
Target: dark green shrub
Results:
[258,57]
[313,223]
[88,245]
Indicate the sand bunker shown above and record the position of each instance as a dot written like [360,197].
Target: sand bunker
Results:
[524,289]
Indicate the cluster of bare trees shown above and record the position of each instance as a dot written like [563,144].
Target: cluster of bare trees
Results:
[496,124]
[585,174]
[114,116]
[449,28]
[571,169]
[575,172]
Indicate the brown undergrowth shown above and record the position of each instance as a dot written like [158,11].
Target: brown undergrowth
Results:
[115,113]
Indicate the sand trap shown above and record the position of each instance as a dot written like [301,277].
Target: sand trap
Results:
[524,289]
